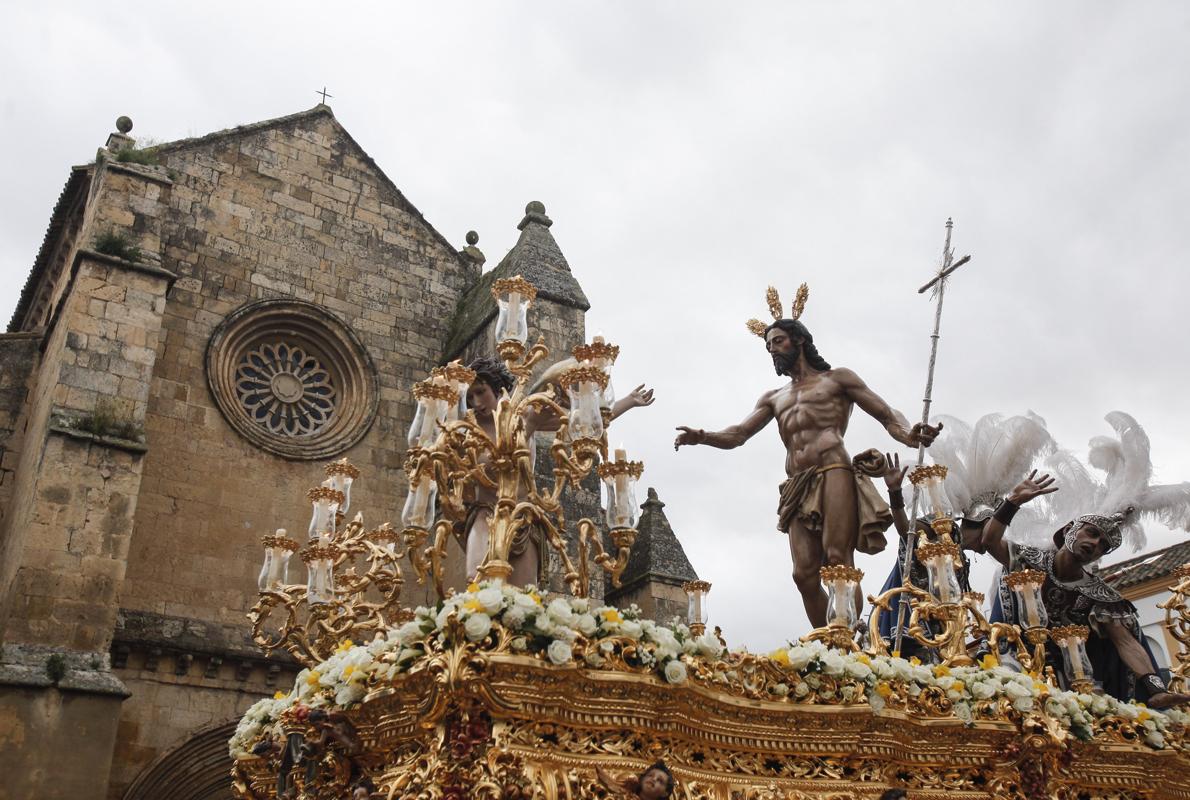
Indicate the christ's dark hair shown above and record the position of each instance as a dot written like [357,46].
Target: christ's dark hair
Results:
[494,374]
[669,778]
[799,331]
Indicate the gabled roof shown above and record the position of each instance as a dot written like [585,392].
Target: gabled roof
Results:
[657,553]
[1147,566]
[537,258]
[74,191]
[79,180]
[290,120]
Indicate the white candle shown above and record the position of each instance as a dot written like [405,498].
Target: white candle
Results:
[621,489]
[514,316]
[1032,618]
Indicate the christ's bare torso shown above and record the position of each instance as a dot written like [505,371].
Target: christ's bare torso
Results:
[812,415]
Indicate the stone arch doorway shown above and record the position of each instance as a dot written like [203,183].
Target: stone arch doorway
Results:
[197,769]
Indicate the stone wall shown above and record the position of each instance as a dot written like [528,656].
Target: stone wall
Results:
[19,355]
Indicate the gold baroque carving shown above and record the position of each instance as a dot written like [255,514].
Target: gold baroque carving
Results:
[292,379]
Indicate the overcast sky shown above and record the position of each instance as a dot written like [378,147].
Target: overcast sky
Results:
[691,154]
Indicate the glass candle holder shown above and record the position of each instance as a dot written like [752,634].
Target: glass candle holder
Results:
[320,571]
[513,296]
[1072,643]
[274,572]
[435,398]
[342,475]
[584,385]
[840,583]
[325,501]
[419,505]
[601,355]
[929,479]
[939,560]
[619,480]
[1026,590]
[459,379]
[696,604]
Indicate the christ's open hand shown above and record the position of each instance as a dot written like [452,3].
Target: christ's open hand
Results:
[639,397]
[1030,487]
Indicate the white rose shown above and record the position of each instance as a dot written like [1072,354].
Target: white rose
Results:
[520,644]
[858,669]
[1016,691]
[594,659]
[675,671]
[524,601]
[780,689]
[800,657]
[1023,704]
[631,629]
[832,663]
[581,605]
[514,617]
[559,652]
[1155,739]
[586,624]
[962,711]
[982,690]
[491,599]
[801,689]
[559,611]
[708,645]
[477,626]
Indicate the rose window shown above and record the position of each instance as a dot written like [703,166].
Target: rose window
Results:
[285,389]
[292,378]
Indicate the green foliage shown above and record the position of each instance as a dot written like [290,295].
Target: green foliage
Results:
[116,244]
[106,420]
[55,667]
[144,153]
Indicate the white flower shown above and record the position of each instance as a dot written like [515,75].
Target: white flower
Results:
[594,659]
[982,690]
[858,669]
[520,644]
[675,671]
[490,598]
[1023,704]
[631,629]
[832,663]
[800,657]
[477,626]
[780,689]
[525,600]
[559,611]
[514,618]
[581,605]
[708,645]
[962,711]
[586,624]
[559,652]
[801,689]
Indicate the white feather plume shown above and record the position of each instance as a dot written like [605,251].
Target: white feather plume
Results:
[991,456]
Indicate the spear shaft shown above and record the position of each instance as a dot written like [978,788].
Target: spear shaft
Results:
[939,282]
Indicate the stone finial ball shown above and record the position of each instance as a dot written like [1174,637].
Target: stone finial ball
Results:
[472,237]
[124,124]
[535,207]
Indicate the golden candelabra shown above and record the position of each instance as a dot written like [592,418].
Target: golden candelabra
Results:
[1177,623]
[353,578]
[452,458]
[841,612]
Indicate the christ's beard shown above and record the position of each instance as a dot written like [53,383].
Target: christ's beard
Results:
[785,362]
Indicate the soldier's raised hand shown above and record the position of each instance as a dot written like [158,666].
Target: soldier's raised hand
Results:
[1033,486]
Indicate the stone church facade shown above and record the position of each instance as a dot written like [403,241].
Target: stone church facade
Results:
[201,331]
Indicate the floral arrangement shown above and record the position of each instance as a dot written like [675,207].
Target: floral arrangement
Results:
[566,630]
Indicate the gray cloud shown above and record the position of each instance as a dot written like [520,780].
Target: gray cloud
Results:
[690,156]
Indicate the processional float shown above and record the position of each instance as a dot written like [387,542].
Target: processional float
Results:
[508,693]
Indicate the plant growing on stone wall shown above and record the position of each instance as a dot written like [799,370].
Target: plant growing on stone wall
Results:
[106,420]
[145,152]
[118,245]
[55,667]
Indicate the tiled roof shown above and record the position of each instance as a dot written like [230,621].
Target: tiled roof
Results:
[1147,566]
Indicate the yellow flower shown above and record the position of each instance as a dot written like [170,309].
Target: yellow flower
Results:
[896,653]
[884,690]
[915,661]
[958,686]
[347,670]
[941,670]
[279,696]
[473,605]
[346,645]
[780,656]
[989,661]
[312,678]
[473,587]
[1144,715]
[1041,688]
[536,597]
[863,659]
[611,615]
